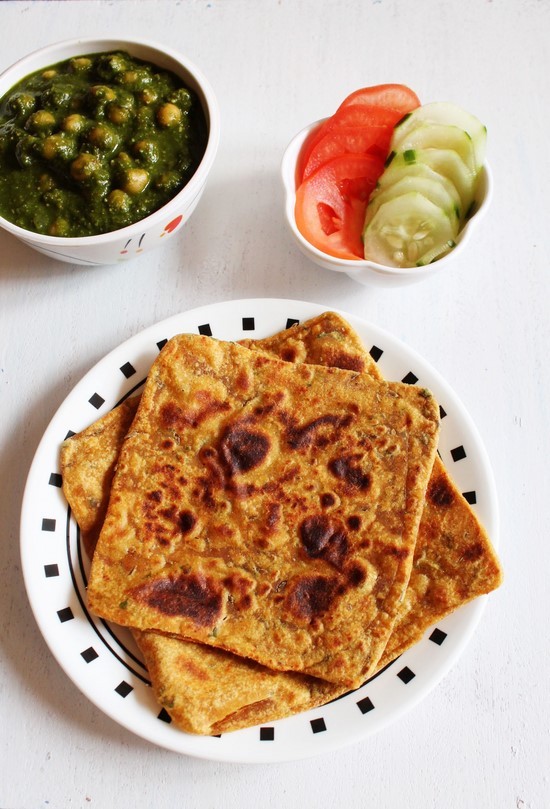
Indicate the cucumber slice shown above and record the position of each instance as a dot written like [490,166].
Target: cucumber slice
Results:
[405,230]
[395,172]
[436,188]
[437,136]
[446,162]
[443,112]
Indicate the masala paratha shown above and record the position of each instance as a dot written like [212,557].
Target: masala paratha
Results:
[454,562]
[88,464]
[266,508]
[210,691]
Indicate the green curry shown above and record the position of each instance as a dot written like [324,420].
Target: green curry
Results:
[95,143]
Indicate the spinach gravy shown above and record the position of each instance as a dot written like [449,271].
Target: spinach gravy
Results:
[95,143]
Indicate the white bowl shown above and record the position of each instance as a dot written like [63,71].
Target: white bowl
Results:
[369,272]
[155,229]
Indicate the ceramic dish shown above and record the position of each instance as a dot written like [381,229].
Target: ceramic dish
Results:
[365,272]
[101,659]
[155,229]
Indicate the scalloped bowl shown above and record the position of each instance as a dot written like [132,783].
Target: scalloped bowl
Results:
[157,228]
[365,272]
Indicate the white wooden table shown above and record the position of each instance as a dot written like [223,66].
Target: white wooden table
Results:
[481,738]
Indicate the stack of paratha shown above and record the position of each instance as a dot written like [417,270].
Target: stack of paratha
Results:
[274,524]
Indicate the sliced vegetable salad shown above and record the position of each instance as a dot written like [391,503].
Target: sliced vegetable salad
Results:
[388,179]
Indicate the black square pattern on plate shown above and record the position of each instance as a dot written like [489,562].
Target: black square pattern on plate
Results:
[406,675]
[291,321]
[128,369]
[51,571]
[89,654]
[65,614]
[442,412]
[96,401]
[267,734]
[56,480]
[124,688]
[248,324]
[318,725]
[365,705]
[470,497]
[376,353]
[164,716]
[69,434]
[458,453]
[205,329]
[438,636]
[410,379]
[48,524]
[161,344]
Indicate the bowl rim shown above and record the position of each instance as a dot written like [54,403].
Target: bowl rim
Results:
[207,99]
[359,266]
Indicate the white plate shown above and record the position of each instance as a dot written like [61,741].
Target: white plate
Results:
[101,659]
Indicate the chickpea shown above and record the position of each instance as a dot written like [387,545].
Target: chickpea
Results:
[118,115]
[59,227]
[119,201]
[40,121]
[102,137]
[148,96]
[85,166]
[146,150]
[59,146]
[123,160]
[168,114]
[130,77]
[46,183]
[102,93]
[49,147]
[22,104]
[119,166]
[135,181]
[80,64]
[74,123]
[49,74]
[135,79]
[98,97]
[109,65]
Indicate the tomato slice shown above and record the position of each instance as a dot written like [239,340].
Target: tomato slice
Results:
[304,151]
[380,106]
[353,116]
[397,97]
[331,203]
[342,140]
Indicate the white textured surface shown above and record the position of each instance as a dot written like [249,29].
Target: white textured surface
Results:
[482,737]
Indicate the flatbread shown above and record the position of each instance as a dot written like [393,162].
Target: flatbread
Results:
[326,340]
[454,562]
[209,691]
[266,508]
[88,462]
